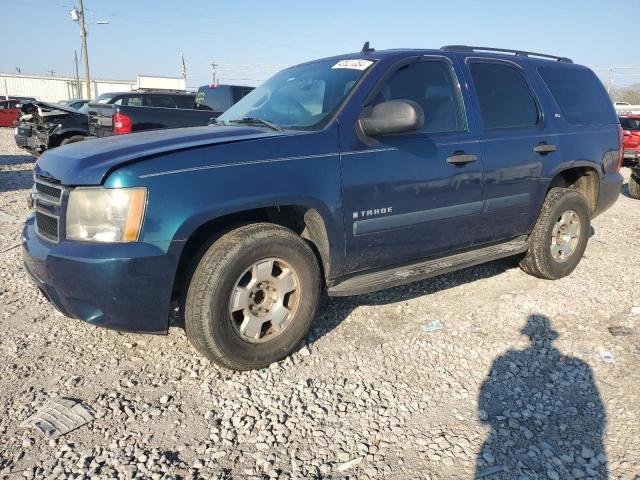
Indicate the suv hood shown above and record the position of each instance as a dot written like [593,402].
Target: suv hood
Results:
[89,162]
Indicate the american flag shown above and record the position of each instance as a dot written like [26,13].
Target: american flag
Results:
[184,68]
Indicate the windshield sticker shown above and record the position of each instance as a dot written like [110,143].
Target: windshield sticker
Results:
[358,64]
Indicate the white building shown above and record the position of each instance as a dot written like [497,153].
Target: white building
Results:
[54,89]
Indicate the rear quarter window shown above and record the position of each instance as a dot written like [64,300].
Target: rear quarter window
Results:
[580,95]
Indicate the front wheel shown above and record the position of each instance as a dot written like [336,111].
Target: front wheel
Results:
[252,297]
[560,235]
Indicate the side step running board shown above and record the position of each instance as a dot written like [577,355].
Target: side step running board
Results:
[372,282]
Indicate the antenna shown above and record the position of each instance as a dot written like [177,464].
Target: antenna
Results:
[367,49]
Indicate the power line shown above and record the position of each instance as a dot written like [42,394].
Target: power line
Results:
[324,38]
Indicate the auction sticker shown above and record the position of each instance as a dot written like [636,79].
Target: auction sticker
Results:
[357,64]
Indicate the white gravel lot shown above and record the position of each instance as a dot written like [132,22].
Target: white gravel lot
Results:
[512,388]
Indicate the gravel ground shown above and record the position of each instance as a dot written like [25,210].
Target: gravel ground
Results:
[513,387]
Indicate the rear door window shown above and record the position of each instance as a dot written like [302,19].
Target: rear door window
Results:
[504,96]
[579,94]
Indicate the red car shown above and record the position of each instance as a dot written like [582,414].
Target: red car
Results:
[9,112]
[631,128]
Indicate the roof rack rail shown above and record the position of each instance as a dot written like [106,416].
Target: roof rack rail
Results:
[521,53]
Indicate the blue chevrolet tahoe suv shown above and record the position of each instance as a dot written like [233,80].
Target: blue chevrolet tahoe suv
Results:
[349,174]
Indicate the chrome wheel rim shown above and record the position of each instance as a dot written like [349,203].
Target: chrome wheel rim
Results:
[264,300]
[565,236]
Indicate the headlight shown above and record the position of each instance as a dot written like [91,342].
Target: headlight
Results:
[96,214]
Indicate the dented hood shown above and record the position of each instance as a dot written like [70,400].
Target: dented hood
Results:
[89,162]
[48,109]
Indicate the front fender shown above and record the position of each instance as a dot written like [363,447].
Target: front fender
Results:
[237,206]
[189,188]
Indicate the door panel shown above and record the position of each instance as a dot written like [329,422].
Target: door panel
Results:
[402,200]
[513,125]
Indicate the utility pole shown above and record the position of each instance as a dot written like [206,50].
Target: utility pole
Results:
[75,63]
[83,35]
[214,79]
[610,81]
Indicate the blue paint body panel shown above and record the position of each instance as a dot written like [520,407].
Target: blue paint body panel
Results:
[383,202]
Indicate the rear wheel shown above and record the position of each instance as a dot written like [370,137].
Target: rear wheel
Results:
[252,297]
[634,186]
[560,235]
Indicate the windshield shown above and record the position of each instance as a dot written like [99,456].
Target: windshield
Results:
[302,97]
[630,123]
[104,98]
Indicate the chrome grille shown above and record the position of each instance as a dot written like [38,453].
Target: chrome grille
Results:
[47,198]
[47,225]
[47,191]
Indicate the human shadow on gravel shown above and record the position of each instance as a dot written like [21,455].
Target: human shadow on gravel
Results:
[545,412]
[15,179]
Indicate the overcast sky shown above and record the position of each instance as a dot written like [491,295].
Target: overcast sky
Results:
[253,39]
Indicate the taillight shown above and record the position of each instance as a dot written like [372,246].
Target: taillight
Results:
[121,123]
[620,148]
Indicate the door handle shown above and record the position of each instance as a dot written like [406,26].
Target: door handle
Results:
[544,148]
[460,158]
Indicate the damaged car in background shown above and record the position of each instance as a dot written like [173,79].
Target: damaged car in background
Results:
[42,126]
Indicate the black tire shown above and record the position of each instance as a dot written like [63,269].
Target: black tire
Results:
[208,321]
[634,187]
[72,139]
[539,260]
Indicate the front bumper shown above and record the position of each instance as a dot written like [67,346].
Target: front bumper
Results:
[123,286]
[610,188]
[31,139]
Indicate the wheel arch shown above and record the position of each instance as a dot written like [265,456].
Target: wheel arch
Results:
[58,137]
[582,177]
[198,234]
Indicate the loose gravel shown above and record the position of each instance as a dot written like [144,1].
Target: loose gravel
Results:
[513,387]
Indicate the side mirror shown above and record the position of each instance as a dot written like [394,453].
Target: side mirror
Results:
[393,116]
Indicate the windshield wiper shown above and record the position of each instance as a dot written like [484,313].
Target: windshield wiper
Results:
[260,121]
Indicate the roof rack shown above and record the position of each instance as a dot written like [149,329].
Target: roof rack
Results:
[520,53]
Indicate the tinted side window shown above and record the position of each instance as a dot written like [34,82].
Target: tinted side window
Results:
[216,98]
[184,101]
[630,123]
[579,94]
[4,105]
[504,96]
[163,101]
[433,85]
[239,92]
[132,101]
